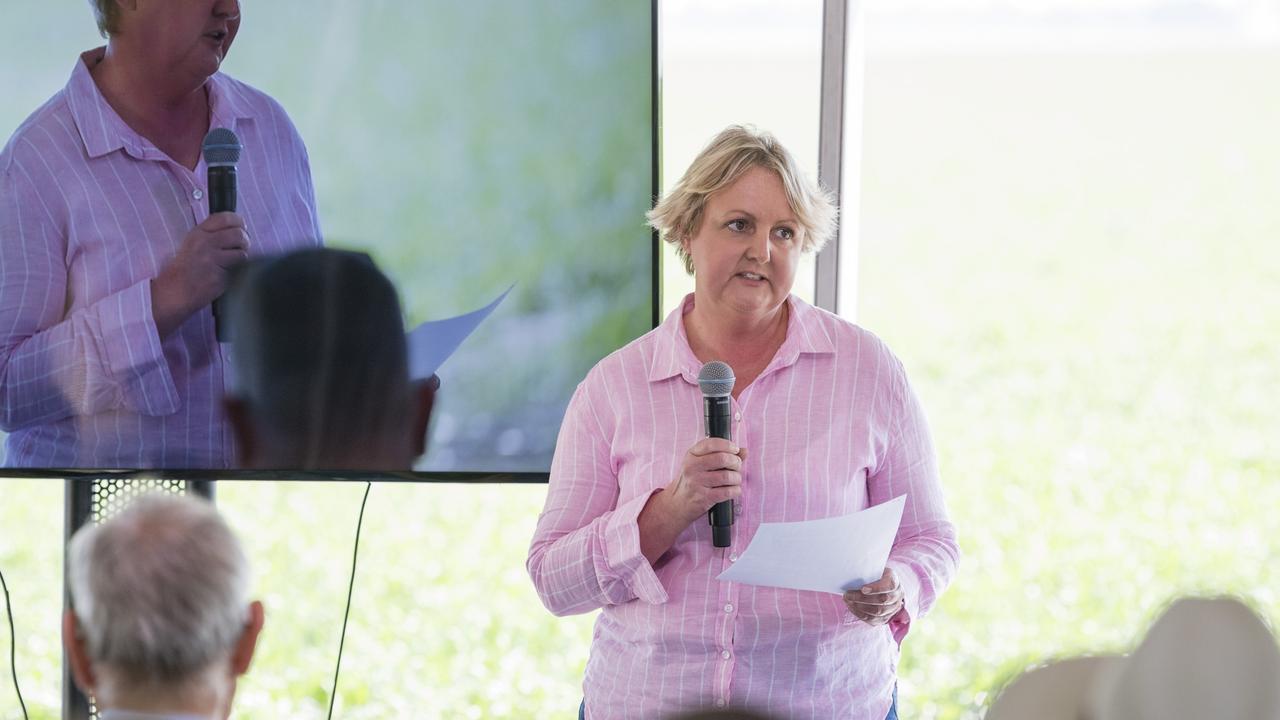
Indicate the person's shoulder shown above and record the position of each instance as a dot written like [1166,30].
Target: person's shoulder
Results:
[248,99]
[630,363]
[34,139]
[848,337]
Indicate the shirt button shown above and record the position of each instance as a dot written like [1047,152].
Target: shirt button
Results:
[726,654]
[197,193]
[733,557]
[737,417]
[719,702]
[728,608]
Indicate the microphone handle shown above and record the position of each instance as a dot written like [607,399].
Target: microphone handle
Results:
[222,189]
[717,412]
[222,198]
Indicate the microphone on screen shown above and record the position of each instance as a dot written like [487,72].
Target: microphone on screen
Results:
[716,381]
[221,153]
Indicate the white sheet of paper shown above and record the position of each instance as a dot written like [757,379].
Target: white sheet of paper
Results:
[431,343]
[830,555]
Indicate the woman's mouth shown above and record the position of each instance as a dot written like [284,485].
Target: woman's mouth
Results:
[217,36]
[752,277]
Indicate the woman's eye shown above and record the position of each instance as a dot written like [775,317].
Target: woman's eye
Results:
[786,233]
[737,225]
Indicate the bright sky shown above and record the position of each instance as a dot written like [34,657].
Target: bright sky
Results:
[787,27]
[1036,6]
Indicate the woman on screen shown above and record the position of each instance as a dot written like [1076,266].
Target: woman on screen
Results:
[111,259]
[824,424]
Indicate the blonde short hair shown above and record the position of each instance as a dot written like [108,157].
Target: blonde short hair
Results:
[726,158]
[107,13]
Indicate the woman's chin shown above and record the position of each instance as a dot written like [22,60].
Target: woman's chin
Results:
[758,303]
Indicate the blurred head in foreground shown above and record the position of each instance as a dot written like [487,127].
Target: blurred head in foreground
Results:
[322,368]
[162,621]
[1203,658]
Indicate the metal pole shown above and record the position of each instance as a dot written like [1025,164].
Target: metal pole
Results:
[840,149]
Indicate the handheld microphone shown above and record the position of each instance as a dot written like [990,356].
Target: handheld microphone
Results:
[716,381]
[221,153]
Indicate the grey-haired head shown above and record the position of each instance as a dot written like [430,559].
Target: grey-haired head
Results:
[161,607]
[716,379]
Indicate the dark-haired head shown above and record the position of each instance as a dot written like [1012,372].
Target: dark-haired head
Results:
[321,366]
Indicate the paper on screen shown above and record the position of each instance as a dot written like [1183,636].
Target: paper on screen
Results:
[431,343]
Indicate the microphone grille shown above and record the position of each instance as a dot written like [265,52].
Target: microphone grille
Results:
[716,379]
[221,147]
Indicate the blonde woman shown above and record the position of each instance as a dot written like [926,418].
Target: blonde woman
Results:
[824,424]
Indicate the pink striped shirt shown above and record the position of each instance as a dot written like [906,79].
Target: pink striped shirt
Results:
[89,212]
[832,427]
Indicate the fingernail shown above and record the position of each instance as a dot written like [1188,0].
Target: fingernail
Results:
[866,591]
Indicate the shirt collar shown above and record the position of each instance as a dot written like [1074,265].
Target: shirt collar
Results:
[227,103]
[673,355]
[102,130]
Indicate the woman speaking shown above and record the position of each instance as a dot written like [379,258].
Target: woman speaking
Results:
[824,424]
[109,258]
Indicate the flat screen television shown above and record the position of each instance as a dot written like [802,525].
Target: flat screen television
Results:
[467,147]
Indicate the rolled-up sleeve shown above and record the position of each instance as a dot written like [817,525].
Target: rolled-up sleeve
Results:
[55,365]
[925,554]
[585,552]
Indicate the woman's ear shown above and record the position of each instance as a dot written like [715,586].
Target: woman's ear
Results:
[424,397]
[241,421]
[686,255]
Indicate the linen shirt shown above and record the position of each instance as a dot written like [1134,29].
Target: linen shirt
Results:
[90,211]
[831,427]
[132,715]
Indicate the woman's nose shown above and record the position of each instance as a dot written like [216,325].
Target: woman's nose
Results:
[758,249]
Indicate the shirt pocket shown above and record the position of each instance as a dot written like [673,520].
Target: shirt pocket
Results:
[856,496]
[843,493]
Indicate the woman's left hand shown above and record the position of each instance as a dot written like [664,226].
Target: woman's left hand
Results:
[879,602]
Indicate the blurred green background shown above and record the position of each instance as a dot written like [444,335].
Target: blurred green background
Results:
[1075,257]
[470,146]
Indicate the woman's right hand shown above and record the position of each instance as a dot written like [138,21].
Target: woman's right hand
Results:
[711,472]
[198,273]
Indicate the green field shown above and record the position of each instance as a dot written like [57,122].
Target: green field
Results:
[1075,256]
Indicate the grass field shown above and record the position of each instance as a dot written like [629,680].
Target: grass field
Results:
[1075,256]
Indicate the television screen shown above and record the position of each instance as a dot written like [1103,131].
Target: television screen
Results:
[468,148]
